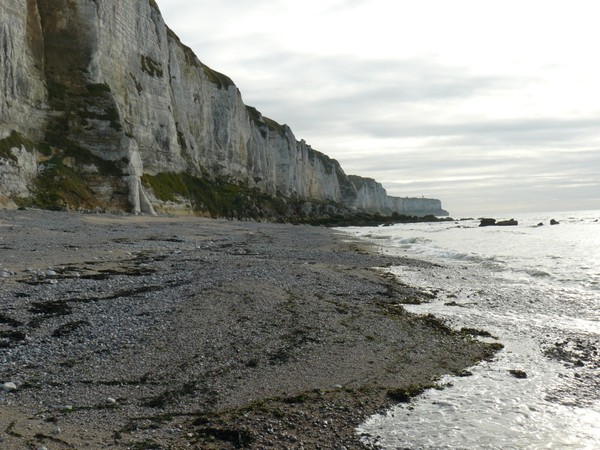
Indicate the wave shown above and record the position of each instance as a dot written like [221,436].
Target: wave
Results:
[538,273]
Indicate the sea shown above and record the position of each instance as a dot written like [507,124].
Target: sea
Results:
[535,288]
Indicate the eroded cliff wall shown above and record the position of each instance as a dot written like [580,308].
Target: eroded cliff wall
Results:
[102,105]
[372,197]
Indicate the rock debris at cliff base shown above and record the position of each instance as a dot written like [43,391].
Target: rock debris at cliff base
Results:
[161,332]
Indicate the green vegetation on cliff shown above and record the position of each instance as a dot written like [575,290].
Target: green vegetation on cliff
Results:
[221,80]
[152,67]
[218,198]
[59,187]
[15,140]
[66,178]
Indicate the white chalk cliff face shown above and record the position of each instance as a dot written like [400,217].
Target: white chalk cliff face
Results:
[97,97]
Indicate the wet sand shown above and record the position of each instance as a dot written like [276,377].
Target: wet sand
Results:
[140,332]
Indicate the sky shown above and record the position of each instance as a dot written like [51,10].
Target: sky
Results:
[489,106]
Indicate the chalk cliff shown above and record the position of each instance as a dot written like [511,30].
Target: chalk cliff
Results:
[372,197]
[101,105]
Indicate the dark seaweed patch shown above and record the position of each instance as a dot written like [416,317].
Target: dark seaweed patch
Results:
[68,328]
[51,309]
[9,321]
[11,337]
[239,438]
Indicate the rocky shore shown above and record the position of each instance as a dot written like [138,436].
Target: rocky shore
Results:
[135,332]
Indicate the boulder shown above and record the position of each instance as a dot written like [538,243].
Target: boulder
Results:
[554,222]
[518,373]
[487,222]
[9,386]
[505,223]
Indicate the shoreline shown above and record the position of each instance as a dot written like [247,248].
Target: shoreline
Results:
[181,332]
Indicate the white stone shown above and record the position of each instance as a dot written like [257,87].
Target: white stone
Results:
[9,386]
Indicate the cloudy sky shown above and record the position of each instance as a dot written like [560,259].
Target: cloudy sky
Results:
[490,106]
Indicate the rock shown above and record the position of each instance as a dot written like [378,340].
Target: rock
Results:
[111,400]
[541,224]
[9,387]
[504,223]
[50,273]
[518,373]
[371,196]
[4,273]
[554,222]
[487,222]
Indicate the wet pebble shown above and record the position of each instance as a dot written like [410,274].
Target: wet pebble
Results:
[518,373]
[9,386]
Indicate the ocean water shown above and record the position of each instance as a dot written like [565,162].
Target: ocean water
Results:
[536,290]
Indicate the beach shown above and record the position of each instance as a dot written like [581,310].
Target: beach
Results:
[122,331]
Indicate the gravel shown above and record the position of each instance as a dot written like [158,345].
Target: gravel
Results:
[121,331]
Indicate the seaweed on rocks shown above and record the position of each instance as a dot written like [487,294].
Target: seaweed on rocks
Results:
[69,328]
[51,308]
[11,338]
[404,395]
[4,319]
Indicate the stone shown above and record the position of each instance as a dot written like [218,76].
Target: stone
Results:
[486,222]
[554,222]
[9,386]
[505,223]
[518,373]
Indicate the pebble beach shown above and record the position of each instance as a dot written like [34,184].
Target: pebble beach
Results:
[156,332]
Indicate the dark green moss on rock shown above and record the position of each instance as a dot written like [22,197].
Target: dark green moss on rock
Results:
[98,89]
[217,198]
[15,140]
[154,5]
[274,126]
[151,66]
[221,80]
